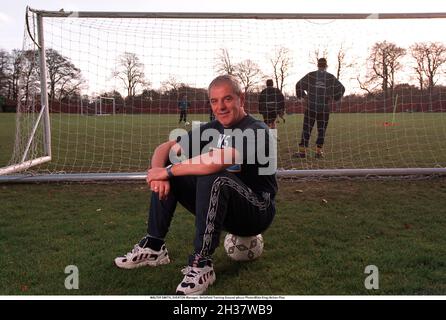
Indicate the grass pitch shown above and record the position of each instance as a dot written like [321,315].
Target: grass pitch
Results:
[324,236]
[125,142]
[314,247]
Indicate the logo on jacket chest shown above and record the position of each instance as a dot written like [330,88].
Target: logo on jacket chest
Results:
[223,141]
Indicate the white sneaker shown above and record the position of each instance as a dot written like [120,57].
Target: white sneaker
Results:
[140,257]
[196,279]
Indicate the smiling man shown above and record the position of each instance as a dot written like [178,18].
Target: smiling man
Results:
[222,184]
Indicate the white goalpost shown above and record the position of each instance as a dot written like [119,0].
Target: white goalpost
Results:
[26,155]
[137,66]
[100,106]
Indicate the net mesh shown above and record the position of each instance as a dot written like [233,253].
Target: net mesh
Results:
[148,65]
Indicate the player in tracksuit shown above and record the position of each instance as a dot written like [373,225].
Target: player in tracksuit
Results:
[319,88]
[240,201]
[271,104]
[183,104]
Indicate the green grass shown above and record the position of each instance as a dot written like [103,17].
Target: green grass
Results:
[125,142]
[314,247]
[7,133]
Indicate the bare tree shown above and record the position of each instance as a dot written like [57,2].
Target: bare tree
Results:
[5,71]
[13,81]
[282,64]
[172,84]
[131,72]
[316,54]
[429,58]
[63,76]
[341,62]
[249,74]
[30,74]
[224,64]
[365,85]
[384,59]
[419,68]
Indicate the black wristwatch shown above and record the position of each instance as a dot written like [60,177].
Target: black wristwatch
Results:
[169,171]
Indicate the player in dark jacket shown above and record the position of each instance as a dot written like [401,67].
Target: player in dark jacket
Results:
[271,104]
[319,88]
[183,105]
[197,171]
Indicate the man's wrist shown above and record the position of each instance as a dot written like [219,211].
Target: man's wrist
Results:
[169,171]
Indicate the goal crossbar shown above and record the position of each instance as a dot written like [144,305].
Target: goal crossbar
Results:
[229,15]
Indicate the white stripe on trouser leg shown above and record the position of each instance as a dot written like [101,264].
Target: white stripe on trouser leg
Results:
[213,206]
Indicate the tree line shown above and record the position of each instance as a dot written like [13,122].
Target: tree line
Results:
[20,73]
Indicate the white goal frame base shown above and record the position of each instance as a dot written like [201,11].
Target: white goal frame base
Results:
[140,176]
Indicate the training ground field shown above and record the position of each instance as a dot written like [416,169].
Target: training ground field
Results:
[125,142]
[312,248]
[324,236]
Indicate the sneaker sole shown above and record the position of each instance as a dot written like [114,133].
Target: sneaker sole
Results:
[164,260]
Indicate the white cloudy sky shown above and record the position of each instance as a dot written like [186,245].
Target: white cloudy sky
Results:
[12,28]
[12,12]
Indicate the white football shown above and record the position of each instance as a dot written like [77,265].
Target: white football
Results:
[243,248]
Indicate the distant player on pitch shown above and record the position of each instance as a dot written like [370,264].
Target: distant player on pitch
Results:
[183,105]
[271,104]
[319,88]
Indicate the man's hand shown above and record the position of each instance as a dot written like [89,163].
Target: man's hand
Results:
[162,187]
[157,180]
[155,174]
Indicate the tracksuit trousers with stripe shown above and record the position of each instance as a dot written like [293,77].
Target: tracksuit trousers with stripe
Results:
[219,201]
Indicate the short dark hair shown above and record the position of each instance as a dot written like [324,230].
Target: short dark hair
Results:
[269,83]
[227,78]
[322,63]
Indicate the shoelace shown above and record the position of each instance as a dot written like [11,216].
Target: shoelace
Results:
[189,271]
[134,250]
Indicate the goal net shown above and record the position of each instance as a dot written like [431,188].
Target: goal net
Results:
[137,67]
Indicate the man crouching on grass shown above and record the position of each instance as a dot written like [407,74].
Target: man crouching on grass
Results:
[228,184]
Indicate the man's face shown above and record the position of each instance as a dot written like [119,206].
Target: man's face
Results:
[226,105]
